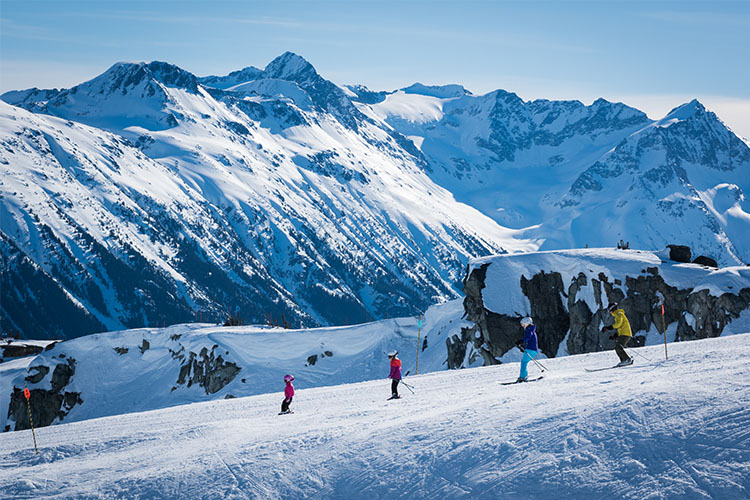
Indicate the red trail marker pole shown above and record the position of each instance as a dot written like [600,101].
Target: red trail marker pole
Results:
[27,395]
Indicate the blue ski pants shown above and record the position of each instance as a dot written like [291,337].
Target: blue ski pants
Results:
[528,355]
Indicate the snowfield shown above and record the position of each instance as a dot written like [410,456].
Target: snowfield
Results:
[659,429]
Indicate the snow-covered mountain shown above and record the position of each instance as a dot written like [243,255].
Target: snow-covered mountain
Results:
[143,197]
[657,429]
[149,195]
[579,175]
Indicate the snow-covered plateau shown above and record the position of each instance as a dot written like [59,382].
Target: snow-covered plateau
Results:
[660,429]
[149,196]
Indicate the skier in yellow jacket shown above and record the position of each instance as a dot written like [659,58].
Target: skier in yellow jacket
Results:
[623,335]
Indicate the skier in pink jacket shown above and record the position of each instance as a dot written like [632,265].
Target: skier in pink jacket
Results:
[395,374]
[288,394]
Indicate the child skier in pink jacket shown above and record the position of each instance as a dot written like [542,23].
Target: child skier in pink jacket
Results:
[288,395]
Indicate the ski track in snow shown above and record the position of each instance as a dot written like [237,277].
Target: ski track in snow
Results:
[655,430]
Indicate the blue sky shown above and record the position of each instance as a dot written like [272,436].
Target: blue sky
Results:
[649,54]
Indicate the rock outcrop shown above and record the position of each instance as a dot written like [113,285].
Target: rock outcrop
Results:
[47,405]
[569,312]
[207,370]
[19,349]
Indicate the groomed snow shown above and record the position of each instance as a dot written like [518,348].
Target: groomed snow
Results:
[656,430]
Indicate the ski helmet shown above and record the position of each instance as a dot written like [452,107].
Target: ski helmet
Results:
[288,378]
[392,354]
[526,322]
[612,306]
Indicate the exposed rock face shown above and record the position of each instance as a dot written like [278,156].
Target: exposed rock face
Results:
[559,310]
[46,405]
[207,370]
[19,350]
[545,293]
[679,253]
[705,261]
[708,315]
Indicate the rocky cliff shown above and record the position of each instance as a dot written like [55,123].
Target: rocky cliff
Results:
[567,294]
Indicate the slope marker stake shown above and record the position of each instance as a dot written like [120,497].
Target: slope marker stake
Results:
[27,395]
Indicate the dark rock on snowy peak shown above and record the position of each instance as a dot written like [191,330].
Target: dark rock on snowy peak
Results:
[325,95]
[123,77]
[517,125]
[127,94]
[290,66]
[34,99]
[367,96]
[243,75]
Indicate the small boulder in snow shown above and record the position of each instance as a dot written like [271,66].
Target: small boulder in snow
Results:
[679,253]
[705,261]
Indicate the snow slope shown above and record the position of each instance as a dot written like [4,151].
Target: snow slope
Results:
[192,362]
[657,430]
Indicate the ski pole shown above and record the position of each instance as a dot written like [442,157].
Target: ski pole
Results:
[532,359]
[408,386]
[539,364]
[639,354]
[402,381]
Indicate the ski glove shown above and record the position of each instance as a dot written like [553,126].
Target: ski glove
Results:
[607,329]
[613,337]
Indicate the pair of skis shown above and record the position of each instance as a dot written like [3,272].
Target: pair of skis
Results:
[587,369]
[605,368]
[522,381]
[410,387]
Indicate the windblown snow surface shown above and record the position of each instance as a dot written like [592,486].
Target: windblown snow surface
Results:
[658,429]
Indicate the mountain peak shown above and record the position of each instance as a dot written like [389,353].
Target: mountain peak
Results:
[126,74]
[290,66]
[685,111]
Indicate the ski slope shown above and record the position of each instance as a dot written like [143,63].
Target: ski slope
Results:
[110,369]
[659,429]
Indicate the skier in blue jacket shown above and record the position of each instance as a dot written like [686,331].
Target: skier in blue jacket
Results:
[529,346]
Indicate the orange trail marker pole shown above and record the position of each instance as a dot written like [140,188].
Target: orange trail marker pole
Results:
[27,395]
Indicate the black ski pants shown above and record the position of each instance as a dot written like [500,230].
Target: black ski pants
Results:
[620,344]
[394,386]
[285,404]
